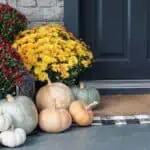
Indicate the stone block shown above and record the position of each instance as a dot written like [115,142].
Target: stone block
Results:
[46,3]
[60,3]
[26,3]
[33,14]
[3,1]
[53,13]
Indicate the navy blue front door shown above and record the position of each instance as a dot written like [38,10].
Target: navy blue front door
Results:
[118,32]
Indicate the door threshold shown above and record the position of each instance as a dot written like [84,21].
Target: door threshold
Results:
[120,86]
[117,84]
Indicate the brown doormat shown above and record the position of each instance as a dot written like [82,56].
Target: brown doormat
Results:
[117,105]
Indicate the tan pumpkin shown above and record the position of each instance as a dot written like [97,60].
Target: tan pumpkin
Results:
[58,91]
[82,114]
[54,120]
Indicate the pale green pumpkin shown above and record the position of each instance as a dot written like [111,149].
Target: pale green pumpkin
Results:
[22,110]
[87,95]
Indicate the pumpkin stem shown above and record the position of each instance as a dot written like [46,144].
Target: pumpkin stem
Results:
[9,98]
[81,85]
[1,112]
[90,106]
[0,138]
[12,127]
[49,81]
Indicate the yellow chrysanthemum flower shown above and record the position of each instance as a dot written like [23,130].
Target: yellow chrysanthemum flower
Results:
[37,70]
[65,75]
[72,61]
[51,48]
[42,76]
[86,63]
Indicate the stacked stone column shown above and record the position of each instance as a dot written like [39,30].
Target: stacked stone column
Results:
[39,11]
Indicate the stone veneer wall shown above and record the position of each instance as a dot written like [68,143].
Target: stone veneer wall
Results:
[39,11]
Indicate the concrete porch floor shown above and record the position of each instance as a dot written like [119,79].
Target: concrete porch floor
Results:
[131,137]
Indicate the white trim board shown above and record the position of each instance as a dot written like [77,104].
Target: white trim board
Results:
[119,84]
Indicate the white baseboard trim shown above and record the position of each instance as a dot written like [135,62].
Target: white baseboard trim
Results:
[119,84]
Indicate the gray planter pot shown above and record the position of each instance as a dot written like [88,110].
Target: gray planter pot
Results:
[27,88]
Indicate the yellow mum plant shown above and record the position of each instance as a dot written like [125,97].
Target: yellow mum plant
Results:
[50,50]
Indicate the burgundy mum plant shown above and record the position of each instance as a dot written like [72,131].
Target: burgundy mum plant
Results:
[11,68]
[11,22]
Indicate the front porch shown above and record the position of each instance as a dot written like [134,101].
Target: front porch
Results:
[106,138]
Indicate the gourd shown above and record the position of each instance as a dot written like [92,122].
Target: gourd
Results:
[22,110]
[13,137]
[82,114]
[58,91]
[5,121]
[54,120]
[86,94]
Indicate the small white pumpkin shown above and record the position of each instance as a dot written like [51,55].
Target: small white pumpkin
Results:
[13,137]
[5,121]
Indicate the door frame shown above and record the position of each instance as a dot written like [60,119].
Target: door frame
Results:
[72,22]
[71,15]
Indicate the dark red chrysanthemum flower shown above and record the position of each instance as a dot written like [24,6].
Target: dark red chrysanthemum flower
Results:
[11,21]
[11,67]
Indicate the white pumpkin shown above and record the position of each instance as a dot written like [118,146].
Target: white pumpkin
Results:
[13,137]
[5,121]
[22,110]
